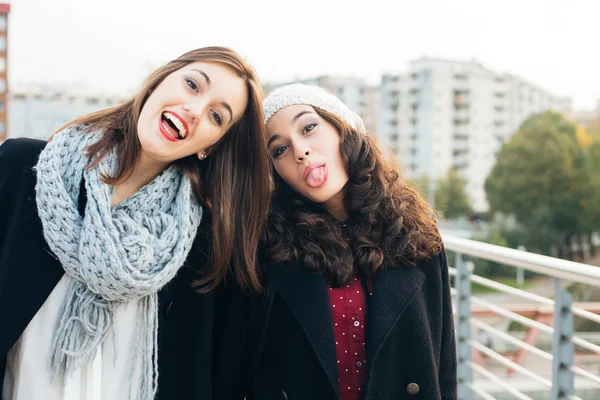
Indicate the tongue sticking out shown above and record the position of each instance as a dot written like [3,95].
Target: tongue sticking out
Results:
[317,177]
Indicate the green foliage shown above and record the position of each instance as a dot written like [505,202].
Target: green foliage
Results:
[450,197]
[545,177]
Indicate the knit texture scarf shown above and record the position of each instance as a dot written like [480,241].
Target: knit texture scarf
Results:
[114,254]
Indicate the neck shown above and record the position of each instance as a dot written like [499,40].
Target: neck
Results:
[144,172]
[336,207]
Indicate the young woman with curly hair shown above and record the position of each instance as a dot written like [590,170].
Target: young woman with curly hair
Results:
[357,301]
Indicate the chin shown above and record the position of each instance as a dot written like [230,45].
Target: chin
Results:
[320,197]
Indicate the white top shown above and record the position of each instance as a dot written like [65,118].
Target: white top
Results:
[27,375]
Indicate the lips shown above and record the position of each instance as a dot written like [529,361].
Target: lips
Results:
[172,126]
[315,174]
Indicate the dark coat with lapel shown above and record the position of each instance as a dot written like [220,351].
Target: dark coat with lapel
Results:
[29,272]
[410,339]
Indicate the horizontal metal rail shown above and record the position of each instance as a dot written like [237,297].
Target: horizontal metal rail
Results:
[567,270]
[583,373]
[481,393]
[511,339]
[511,364]
[586,314]
[499,381]
[513,316]
[526,295]
[585,344]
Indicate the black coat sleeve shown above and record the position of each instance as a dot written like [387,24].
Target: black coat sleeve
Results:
[448,372]
[237,324]
[17,159]
[7,184]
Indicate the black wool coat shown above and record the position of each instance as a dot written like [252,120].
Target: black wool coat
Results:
[29,272]
[410,341]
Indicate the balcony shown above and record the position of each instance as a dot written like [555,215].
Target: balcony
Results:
[461,115]
[495,361]
[461,159]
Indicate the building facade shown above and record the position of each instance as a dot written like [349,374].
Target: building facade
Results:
[37,111]
[450,114]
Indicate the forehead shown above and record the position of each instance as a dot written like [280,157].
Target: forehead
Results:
[283,119]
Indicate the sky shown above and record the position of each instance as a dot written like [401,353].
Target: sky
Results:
[111,45]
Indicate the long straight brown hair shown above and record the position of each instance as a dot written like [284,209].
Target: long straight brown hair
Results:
[233,183]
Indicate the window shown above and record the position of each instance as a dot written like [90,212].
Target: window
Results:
[2,43]
[2,22]
[2,128]
[2,64]
[1,106]
[2,86]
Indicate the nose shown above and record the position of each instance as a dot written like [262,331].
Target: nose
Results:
[303,154]
[193,109]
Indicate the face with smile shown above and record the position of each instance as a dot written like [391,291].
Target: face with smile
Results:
[305,149]
[190,110]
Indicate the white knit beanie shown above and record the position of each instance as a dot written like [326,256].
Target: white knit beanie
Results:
[299,93]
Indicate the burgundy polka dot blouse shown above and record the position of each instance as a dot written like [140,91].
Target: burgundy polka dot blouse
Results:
[348,309]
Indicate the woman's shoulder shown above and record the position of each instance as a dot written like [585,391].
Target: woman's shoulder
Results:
[434,263]
[19,155]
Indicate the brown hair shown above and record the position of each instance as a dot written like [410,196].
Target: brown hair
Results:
[390,224]
[233,183]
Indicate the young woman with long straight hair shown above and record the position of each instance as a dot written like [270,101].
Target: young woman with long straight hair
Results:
[114,233]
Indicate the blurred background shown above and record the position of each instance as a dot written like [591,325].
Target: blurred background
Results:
[491,107]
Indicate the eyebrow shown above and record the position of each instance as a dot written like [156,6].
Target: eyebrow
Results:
[301,113]
[294,120]
[228,108]
[208,82]
[272,139]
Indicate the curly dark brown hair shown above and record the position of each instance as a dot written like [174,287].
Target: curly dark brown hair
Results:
[389,225]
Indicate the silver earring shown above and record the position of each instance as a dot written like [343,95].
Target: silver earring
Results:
[202,156]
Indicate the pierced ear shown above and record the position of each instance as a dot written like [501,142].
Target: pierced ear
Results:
[202,155]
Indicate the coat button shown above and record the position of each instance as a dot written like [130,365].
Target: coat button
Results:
[412,388]
[168,309]
[284,395]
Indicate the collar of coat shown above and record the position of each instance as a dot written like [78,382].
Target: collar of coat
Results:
[305,293]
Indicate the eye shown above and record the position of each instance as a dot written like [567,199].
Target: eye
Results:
[217,117]
[191,84]
[309,127]
[279,151]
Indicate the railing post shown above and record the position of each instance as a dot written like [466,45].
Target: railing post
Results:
[563,384]
[463,327]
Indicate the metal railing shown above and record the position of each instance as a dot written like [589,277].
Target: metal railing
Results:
[551,315]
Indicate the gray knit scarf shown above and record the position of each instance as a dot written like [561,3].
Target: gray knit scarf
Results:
[114,255]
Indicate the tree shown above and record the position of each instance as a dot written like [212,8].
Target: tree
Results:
[542,177]
[450,196]
[593,127]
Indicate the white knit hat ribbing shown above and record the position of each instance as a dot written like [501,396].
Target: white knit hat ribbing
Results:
[299,93]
